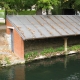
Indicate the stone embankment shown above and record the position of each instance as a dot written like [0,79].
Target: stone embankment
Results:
[6,56]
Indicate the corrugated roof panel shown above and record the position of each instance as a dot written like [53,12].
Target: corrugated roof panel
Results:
[34,31]
[67,19]
[43,31]
[39,19]
[76,31]
[53,18]
[23,20]
[66,29]
[59,18]
[32,20]
[44,26]
[51,30]
[47,19]
[27,34]
[77,18]
[15,20]
[50,21]
[58,29]
[76,25]
[74,19]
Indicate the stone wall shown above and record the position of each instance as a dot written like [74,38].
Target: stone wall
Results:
[73,40]
[40,44]
[3,40]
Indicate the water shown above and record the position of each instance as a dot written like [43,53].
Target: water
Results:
[61,68]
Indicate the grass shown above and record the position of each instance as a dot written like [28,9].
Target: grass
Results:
[59,49]
[31,55]
[2,23]
[2,14]
[7,60]
[2,10]
[75,47]
[46,51]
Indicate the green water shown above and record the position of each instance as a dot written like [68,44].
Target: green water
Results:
[59,68]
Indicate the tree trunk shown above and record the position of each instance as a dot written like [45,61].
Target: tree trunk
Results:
[39,11]
[46,11]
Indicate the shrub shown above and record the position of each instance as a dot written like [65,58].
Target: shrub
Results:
[11,12]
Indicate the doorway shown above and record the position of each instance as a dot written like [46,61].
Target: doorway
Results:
[12,40]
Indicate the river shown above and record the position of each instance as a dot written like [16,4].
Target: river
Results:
[56,68]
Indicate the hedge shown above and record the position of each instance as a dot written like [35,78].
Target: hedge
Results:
[11,12]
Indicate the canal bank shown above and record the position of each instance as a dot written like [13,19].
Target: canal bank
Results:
[50,47]
[58,68]
[7,57]
[44,48]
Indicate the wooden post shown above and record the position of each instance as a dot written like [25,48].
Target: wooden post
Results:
[65,44]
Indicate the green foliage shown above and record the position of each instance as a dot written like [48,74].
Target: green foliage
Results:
[49,50]
[46,51]
[77,5]
[46,4]
[31,55]
[27,12]
[7,60]
[2,14]
[2,23]
[56,10]
[59,49]
[75,47]
[20,5]
[11,12]
[73,4]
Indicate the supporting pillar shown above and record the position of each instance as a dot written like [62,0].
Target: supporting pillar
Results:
[65,44]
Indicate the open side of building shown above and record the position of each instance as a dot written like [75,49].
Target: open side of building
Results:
[21,28]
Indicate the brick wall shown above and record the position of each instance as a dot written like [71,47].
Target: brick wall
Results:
[8,24]
[17,40]
[18,45]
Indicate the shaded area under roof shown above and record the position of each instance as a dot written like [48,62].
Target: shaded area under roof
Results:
[43,26]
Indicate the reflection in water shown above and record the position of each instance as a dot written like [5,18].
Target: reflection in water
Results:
[13,73]
[58,68]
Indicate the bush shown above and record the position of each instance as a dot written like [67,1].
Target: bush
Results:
[11,12]
[27,13]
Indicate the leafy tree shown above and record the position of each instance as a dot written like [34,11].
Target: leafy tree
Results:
[46,4]
[74,4]
[77,5]
[19,5]
[29,3]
